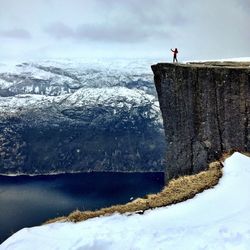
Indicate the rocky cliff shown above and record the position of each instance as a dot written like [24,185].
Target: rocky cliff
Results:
[206,111]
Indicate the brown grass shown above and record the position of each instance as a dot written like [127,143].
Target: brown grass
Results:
[177,190]
[246,153]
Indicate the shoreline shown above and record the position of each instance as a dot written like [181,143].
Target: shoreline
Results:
[175,191]
[86,172]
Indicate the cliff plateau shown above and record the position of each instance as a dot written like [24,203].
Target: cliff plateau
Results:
[206,111]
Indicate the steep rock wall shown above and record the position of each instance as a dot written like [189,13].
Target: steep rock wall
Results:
[206,111]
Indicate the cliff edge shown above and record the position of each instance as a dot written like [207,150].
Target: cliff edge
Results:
[206,111]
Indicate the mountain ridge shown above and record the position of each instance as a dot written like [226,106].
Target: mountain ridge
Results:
[106,118]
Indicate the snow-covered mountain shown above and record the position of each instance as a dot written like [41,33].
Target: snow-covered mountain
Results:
[67,116]
[65,76]
[218,219]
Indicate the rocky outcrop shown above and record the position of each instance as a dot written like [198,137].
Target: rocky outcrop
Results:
[206,111]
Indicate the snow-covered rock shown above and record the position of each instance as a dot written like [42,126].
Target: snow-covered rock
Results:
[66,76]
[218,218]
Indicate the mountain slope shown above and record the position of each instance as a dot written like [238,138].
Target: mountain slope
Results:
[64,116]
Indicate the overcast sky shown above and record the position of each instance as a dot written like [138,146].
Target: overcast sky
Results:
[124,28]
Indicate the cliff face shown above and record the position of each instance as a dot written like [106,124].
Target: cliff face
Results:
[206,111]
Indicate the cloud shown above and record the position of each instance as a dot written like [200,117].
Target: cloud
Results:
[120,21]
[114,33]
[119,33]
[15,34]
[245,5]
[200,29]
[59,30]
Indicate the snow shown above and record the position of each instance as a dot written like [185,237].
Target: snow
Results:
[10,104]
[56,77]
[78,83]
[106,96]
[111,97]
[218,218]
[137,66]
[236,59]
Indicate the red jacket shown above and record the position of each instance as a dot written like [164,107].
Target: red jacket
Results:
[175,51]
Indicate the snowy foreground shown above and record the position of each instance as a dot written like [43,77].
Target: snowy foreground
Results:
[216,219]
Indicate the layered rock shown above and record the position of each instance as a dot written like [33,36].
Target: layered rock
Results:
[206,111]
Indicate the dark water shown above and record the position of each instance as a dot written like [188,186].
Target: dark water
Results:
[27,201]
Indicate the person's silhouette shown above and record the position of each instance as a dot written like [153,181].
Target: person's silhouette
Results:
[175,51]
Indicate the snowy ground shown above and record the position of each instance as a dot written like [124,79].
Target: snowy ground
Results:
[216,219]
[239,59]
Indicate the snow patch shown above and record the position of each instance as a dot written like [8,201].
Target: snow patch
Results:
[236,59]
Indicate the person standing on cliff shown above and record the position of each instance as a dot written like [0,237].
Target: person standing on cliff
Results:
[175,51]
